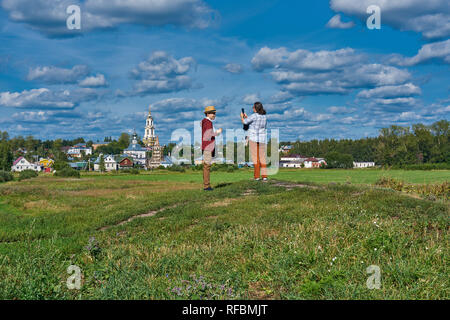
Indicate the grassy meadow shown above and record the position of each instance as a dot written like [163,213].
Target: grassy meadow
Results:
[306,234]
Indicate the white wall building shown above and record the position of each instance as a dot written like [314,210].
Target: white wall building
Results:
[135,151]
[78,150]
[23,164]
[291,164]
[314,162]
[363,164]
[110,163]
[293,158]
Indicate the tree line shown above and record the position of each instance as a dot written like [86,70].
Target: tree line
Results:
[395,146]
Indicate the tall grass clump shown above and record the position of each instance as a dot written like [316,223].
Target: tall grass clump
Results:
[67,173]
[5,176]
[27,174]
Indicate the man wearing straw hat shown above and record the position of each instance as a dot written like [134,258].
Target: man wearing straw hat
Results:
[208,144]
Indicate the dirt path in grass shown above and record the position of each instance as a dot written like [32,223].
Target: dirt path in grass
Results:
[144,215]
[291,185]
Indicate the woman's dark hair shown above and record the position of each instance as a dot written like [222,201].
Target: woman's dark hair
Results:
[259,108]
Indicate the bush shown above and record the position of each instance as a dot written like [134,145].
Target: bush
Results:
[224,167]
[391,183]
[130,171]
[430,191]
[27,174]
[339,160]
[177,168]
[59,165]
[6,176]
[68,172]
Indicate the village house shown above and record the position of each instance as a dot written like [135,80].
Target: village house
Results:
[314,162]
[23,164]
[363,164]
[65,149]
[78,150]
[292,161]
[291,164]
[294,158]
[110,161]
[46,164]
[285,149]
[126,163]
[79,165]
[21,151]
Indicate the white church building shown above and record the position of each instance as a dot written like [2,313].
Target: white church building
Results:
[136,151]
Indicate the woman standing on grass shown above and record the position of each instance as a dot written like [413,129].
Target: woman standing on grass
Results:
[257,133]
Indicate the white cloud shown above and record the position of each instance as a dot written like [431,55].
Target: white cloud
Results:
[55,75]
[179,83]
[251,98]
[437,50]
[33,98]
[280,97]
[161,73]
[187,104]
[234,68]
[381,106]
[407,116]
[94,81]
[304,72]
[431,18]
[297,115]
[49,16]
[31,116]
[305,60]
[160,64]
[45,98]
[336,23]
[406,90]
[340,110]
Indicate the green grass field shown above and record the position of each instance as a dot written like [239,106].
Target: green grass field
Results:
[361,176]
[159,236]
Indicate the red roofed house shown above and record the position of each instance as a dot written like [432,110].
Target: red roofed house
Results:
[23,164]
[314,162]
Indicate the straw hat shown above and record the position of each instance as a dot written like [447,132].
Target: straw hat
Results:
[210,109]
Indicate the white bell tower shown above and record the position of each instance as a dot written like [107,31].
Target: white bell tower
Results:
[149,136]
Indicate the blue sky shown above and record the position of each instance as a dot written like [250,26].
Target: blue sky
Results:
[317,68]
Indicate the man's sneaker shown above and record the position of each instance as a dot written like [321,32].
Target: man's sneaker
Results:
[265,179]
[257,179]
[208,189]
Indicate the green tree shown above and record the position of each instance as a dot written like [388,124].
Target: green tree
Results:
[124,140]
[4,136]
[339,160]
[6,156]
[102,163]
